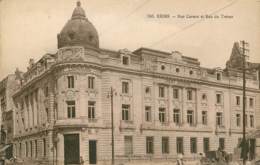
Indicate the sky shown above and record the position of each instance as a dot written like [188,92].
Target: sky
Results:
[29,28]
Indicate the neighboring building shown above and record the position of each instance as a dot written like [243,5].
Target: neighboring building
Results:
[164,103]
[7,88]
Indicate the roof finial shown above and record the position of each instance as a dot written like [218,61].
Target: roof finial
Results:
[78,3]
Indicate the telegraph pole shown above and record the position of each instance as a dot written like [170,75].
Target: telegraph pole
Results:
[112,126]
[244,147]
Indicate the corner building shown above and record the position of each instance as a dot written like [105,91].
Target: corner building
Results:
[163,103]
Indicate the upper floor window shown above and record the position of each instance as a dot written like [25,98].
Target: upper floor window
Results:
[246,120]
[91,109]
[46,91]
[162,115]
[161,91]
[176,116]
[238,120]
[204,96]
[91,82]
[125,60]
[251,102]
[190,117]
[237,100]
[125,112]
[205,145]
[219,119]
[218,98]
[125,87]
[189,94]
[204,117]
[148,113]
[71,110]
[175,93]
[147,90]
[252,121]
[218,76]
[70,81]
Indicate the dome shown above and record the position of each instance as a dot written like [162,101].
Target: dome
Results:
[78,31]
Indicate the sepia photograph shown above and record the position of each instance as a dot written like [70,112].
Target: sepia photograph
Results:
[130,82]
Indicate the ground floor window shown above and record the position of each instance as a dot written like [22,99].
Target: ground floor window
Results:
[179,144]
[193,145]
[128,145]
[149,145]
[205,145]
[165,145]
[221,143]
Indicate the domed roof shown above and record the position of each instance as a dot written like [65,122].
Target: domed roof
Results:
[78,31]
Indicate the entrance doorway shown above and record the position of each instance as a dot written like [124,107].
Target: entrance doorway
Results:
[71,149]
[92,152]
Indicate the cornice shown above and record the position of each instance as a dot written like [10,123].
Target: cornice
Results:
[102,67]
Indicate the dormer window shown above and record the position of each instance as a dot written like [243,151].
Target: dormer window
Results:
[218,76]
[125,60]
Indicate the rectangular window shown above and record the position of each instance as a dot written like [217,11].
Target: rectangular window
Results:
[252,121]
[70,81]
[125,112]
[218,98]
[222,143]
[162,115]
[149,145]
[251,102]
[176,116]
[179,145]
[205,145]
[128,145]
[161,91]
[26,149]
[218,76]
[237,100]
[125,87]
[238,119]
[91,82]
[165,145]
[31,148]
[204,117]
[190,117]
[246,121]
[20,150]
[193,145]
[175,93]
[219,118]
[44,147]
[91,109]
[36,148]
[148,113]
[125,60]
[71,109]
[189,94]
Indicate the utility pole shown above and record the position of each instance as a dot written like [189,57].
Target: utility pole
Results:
[112,126]
[244,147]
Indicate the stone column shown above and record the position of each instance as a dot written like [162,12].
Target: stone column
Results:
[60,149]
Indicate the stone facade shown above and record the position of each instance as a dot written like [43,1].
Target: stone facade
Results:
[163,103]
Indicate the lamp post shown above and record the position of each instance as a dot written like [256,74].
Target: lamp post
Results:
[244,146]
[111,95]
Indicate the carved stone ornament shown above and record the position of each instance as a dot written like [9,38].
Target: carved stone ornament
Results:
[71,53]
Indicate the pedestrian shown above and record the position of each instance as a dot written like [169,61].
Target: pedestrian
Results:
[81,160]
[180,159]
